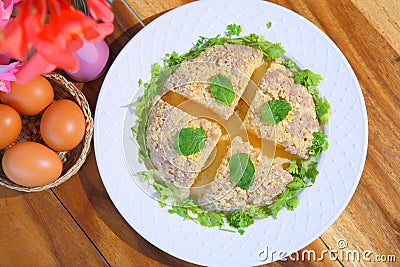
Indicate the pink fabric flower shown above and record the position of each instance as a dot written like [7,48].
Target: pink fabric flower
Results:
[7,75]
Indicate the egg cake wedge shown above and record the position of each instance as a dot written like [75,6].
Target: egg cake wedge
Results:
[192,77]
[164,122]
[269,181]
[295,132]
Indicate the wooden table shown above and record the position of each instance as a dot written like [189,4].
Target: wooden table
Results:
[77,224]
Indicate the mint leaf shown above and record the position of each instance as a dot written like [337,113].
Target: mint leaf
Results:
[241,170]
[234,29]
[319,144]
[222,89]
[189,141]
[274,111]
[269,25]
[290,64]
[323,109]
[307,78]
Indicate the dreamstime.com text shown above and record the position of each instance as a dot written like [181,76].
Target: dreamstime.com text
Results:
[342,253]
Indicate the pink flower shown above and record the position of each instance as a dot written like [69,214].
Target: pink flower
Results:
[46,33]
[7,75]
[6,9]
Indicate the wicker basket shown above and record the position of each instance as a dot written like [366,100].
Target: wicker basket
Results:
[73,159]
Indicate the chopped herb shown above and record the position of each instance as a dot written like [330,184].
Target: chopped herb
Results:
[323,109]
[140,82]
[319,144]
[239,219]
[307,78]
[142,108]
[312,171]
[166,191]
[149,175]
[259,212]
[290,64]
[313,92]
[210,219]
[234,29]
[274,111]
[292,203]
[189,141]
[241,170]
[269,25]
[293,168]
[222,89]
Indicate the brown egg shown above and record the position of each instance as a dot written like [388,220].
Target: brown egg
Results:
[31,164]
[63,125]
[10,125]
[29,98]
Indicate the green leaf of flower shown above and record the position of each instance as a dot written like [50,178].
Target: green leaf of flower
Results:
[274,111]
[189,141]
[241,170]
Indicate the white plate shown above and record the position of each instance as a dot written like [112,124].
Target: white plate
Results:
[340,167]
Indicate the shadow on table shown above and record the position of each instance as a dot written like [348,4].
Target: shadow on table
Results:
[107,212]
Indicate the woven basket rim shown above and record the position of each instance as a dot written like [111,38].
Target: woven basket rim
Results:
[81,100]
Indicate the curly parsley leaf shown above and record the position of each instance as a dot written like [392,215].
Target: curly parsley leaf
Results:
[166,191]
[290,64]
[319,144]
[234,29]
[274,111]
[210,219]
[222,89]
[241,170]
[239,219]
[307,78]
[269,25]
[312,171]
[142,108]
[323,109]
[292,203]
[189,141]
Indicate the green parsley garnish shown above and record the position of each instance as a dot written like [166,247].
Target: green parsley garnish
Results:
[310,80]
[274,111]
[319,144]
[307,78]
[142,108]
[269,25]
[189,141]
[222,89]
[166,191]
[234,29]
[288,198]
[290,64]
[323,109]
[241,170]
[239,219]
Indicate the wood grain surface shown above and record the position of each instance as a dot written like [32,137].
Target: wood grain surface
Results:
[76,224]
